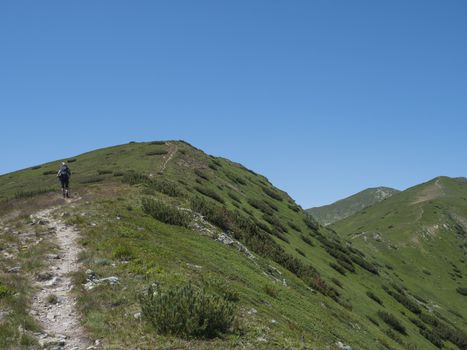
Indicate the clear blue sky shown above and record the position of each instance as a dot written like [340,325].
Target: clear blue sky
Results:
[325,98]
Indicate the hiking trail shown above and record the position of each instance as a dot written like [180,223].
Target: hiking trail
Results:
[171,154]
[58,317]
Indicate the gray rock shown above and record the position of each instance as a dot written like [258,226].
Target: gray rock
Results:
[15,269]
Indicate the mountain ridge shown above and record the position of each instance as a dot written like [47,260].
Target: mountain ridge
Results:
[328,214]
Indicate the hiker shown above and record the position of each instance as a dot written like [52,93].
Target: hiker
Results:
[64,174]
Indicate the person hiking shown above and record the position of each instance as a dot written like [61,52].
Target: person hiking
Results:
[64,174]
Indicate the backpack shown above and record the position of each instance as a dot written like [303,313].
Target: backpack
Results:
[64,171]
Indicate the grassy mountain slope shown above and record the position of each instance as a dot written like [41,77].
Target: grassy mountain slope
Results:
[165,213]
[328,214]
[421,233]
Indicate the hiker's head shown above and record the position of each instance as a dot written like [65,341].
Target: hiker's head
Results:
[63,163]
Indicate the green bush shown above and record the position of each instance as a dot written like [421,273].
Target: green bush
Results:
[374,297]
[36,167]
[271,290]
[392,321]
[33,193]
[166,213]
[123,253]
[338,268]
[301,252]
[337,282]
[210,193]
[5,291]
[276,223]
[104,172]
[403,299]
[260,205]
[432,337]
[118,173]
[187,312]
[202,174]
[157,143]
[49,172]
[234,197]
[294,226]
[166,187]
[307,240]
[311,222]
[461,290]
[272,193]
[158,152]
[295,208]
[72,160]
[91,180]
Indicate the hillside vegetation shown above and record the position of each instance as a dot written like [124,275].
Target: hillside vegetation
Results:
[208,255]
[329,214]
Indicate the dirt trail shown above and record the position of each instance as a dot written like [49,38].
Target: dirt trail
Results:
[431,192]
[174,149]
[59,321]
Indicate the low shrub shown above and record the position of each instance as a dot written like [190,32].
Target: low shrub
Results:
[392,321]
[338,268]
[272,193]
[260,205]
[49,172]
[374,297]
[123,253]
[234,197]
[202,174]
[461,290]
[118,173]
[210,193]
[33,193]
[295,208]
[281,236]
[307,240]
[5,291]
[373,320]
[235,178]
[187,312]
[337,282]
[403,299]
[271,290]
[104,172]
[311,222]
[301,252]
[158,152]
[390,333]
[432,337]
[36,167]
[165,213]
[157,143]
[91,180]
[72,160]
[294,226]
[276,223]
[166,187]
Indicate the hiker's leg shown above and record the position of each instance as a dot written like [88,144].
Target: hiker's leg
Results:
[67,184]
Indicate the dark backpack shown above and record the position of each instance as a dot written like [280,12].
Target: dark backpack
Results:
[64,171]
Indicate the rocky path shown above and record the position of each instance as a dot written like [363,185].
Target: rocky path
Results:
[173,150]
[54,305]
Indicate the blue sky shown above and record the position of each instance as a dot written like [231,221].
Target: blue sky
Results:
[325,98]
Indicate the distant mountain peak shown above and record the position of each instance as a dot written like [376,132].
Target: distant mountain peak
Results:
[346,207]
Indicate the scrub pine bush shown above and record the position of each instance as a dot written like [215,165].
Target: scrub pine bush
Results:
[187,312]
[165,213]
